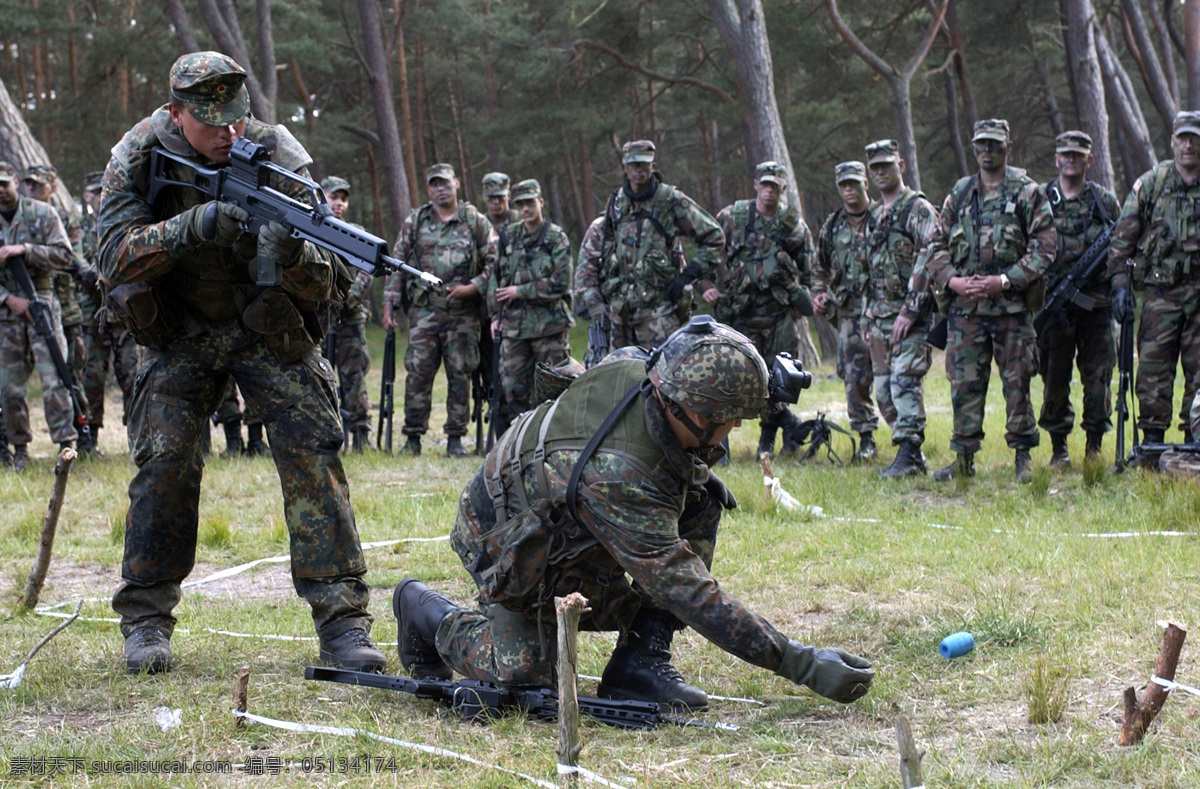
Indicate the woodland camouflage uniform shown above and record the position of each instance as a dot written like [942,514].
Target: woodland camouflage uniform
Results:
[841,271]
[498,184]
[216,324]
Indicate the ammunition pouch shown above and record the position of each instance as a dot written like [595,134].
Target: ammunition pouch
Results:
[148,313]
[281,323]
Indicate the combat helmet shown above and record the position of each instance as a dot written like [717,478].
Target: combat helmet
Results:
[712,370]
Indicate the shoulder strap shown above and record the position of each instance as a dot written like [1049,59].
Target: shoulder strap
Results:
[827,228]
[1097,204]
[422,212]
[967,186]
[590,449]
[502,246]
[1055,196]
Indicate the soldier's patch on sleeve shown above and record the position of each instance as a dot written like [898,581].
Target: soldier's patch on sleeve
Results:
[1137,185]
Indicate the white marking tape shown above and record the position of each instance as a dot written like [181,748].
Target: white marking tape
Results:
[587,775]
[9,681]
[1171,685]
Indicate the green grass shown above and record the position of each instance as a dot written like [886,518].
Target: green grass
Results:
[1062,622]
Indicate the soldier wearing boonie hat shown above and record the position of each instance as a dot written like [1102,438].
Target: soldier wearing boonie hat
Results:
[839,269]
[496,196]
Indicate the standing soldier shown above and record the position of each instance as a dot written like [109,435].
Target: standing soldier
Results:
[898,305]
[840,283]
[456,243]
[1082,211]
[588,300]
[765,279]
[994,241]
[30,229]
[1155,246]
[496,195]
[530,296]
[192,257]
[352,362]
[637,274]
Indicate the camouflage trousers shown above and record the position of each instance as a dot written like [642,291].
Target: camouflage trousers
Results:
[647,329]
[174,394]
[771,336]
[353,363]
[900,369]
[972,342]
[436,336]
[1168,335]
[495,644]
[21,350]
[518,357]
[105,351]
[854,368]
[1087,342]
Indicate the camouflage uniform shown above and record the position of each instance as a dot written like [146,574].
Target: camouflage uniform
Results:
[1008,231]
[460,250]
[48,250]
[1087,339]
[1158,232]
[639,261]
[534,327]
[496,185]
[202,338]
[841,271]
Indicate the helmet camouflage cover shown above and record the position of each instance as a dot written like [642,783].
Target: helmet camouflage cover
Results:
[710,369]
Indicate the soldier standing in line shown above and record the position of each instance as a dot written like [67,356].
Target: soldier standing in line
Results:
[637,274]
[31,229]
[529,297]
[765,279]
[1082,211]
[841,280]
[457,244]
[1156,246]
[353,362]
[898,304]
[496,195]
[994,241]
[192,258]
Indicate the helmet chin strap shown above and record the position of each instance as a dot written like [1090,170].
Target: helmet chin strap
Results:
[704,436]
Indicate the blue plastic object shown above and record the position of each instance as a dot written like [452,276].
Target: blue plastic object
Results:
[956,645]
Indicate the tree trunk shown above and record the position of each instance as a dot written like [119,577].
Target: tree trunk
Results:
[587,180]
[268,76]
[960,62]
[405,105]
[1165,49]
[183,26]
[953,122]
[221,19]
[20,148]
[1084,66]
[1146,55]
[1119,88]
[1191,38]
[310,117]
[385,111]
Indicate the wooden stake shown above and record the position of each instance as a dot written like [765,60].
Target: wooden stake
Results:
[1140,712]
[240,690]
[764,460]
[910,757]
[569,609]
[37,576]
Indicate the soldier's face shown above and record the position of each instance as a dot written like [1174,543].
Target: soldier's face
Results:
[1072,164]
[1186,148]
[638,174]
[211,142]
[443,191]
[37,190]
[886,175]
[854,194]
[497,205]
[91,198]
[8,194]
[339,201]
[768,193]
[531,212]
[991,155]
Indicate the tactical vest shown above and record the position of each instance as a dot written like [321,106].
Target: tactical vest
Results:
[637,250]
[1086,227]
[848,277]
[417,292]
[892,250]
[26,221]
[1170,239]
[988,237]
[526,264]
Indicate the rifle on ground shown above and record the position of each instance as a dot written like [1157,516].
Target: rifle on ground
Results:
[383,435]
[1125,394]
[244,182]
[1069,288]
[43,325]
[481,701]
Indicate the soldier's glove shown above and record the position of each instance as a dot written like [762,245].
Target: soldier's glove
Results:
[223,223]
[275,242]
[1122,305]
[719,491]
[215,222]
[833,673]
[677,283]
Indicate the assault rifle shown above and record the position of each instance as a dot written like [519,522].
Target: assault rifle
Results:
[1147,455]
[599,339]
[1069,287]
[43,325]
[1125,394]
[481,701]
[244,182]
[383,436]
[497,419]
[482,378]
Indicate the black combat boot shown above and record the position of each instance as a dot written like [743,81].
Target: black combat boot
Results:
[360,439]
[6,457]
[419,610]
[255,446]
[86,444]
[791,427]
[766,440]
[353,650]
[640,667]
[963,465]
[1023,465]
[1187,435]
[20,458]
[412,447]
[148,649]
[233,439]
[1060,457]
[1094,440]
[454,447]
[866,448]
[909,462]
[1149,460]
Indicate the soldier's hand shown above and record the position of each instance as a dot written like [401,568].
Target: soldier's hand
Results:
[901,327]
[833,673]
[712,295]
[11,250]
[1122,305]
[19,306]
[387,319]
[463,291]
[507,293]
[820,301]
[959,285]
[275,242]
[226,227]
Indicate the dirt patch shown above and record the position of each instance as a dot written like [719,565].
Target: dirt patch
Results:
[67,581]
[266,582]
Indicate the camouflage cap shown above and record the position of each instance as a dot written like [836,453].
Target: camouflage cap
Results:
[1187,123]
[770,172]
[882,151]
[92,181]
[710,369]
[212,87]
[495,185]
[7,172]
[637,151]
[442,170]
[42,173]
[335,184]
[1073,142]
[850,171]
[991,129]
[526,190]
